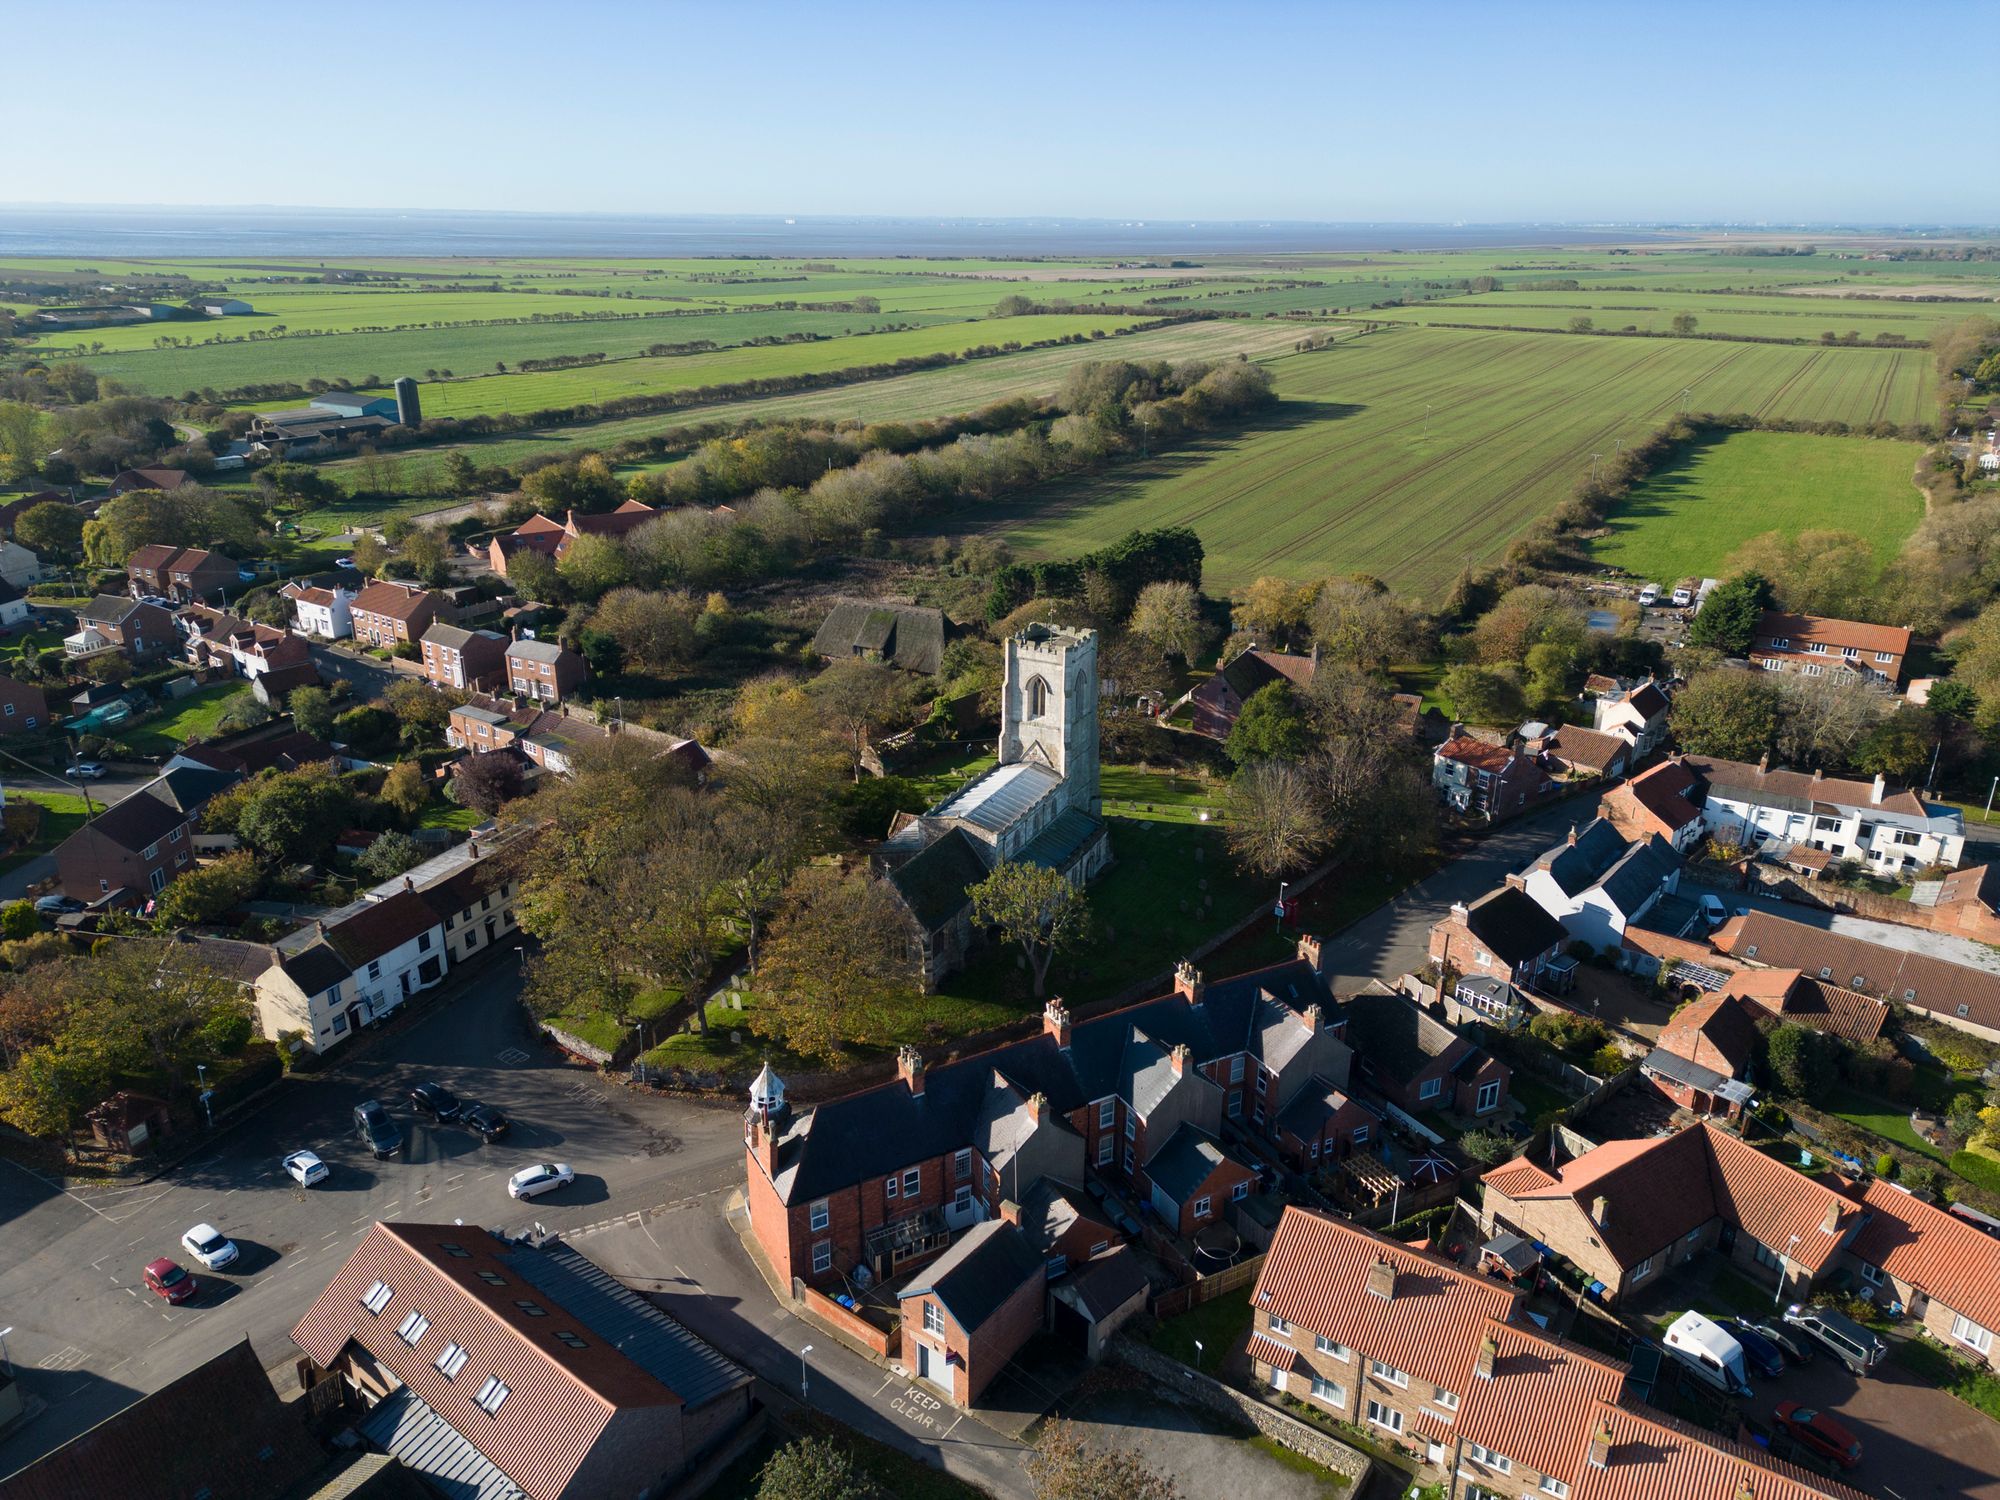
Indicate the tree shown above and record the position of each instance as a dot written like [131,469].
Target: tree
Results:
[1357,620]
[485,783]
[209,892]
[426,554]
[1728,713]
[405,791]
[1066,1465]
[1271,726]
[1275,823]
[422,710]
[535,577]
[1801,1060]
[813,1469]
[656,631]
[312,711]
[1815,573]
[1900,744]
[1015,306]
[367,729]
[298,485]
[857,698]
[18,920]
[1581,324]
[592,566]
[1523,617]
[1480,695]
[1683,324]
[1276,607]
[1952,699]
[1035,907]
[1728,617]
[835,962]
[1551,667]
[50,1086]
[1485,1146]
[1169,615]
[51,526]
[295,816]
[371,555]
[389,856]
[461,474]
[1821,720]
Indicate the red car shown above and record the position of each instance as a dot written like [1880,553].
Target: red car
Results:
[1816,1430]
[170,1281]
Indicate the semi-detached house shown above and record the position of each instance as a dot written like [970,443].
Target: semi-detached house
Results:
[392,614]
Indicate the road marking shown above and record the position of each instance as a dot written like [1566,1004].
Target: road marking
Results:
[69,1357]
[391,1207]
[364,1219]
[512,1056]
[954,1426]
[878,1389]
[98,1264]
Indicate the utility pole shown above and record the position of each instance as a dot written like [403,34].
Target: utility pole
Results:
[1593,466]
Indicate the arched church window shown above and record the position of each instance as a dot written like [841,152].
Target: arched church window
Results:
[1038,697]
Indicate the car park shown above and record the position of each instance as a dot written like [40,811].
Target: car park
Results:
[1813,1429]
[532,1182]
[305,1168]
[210,1246]
[377,1131]
[88,770]
[1846,1340]
[483,1120]
[166,1279]
[1764,1358]
[56,906]
[435,1100]
[1793,1344]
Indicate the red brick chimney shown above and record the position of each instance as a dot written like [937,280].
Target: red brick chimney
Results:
[1010,1212]
[1310,952]
[1055,1021]
[762,1139]
[1038,1107]
[1188,981]
[910,1068]
[1312,1015]
[1178,1060]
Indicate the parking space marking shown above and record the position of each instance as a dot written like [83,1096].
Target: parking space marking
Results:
[69,1357]
[513,1056]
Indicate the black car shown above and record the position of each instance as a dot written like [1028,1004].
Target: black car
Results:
[1794,1345]
[435,1100]
[378,1132]
[483,1120]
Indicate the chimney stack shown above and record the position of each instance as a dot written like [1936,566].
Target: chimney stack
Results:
[1881,786]
[761,1136]
[910,1068]
[1831,1223]
[1188,981]
[321,925]
[1745,1490]
[1010,1212]
[1572,835]
[1178,1059]
[1038,1107]
[1763,763]
[1600,1211]
[1310,952]
[1489,1351]
[1819,774]
[1598,1455]
[1055,1021]
[1382,1280]
[1313,1016]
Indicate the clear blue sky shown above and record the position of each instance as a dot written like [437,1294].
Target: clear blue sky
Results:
[1773,110]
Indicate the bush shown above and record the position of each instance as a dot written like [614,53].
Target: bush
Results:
[18,920]
[1885,1165]
[228,1032]
[1485,1146]
[1607,1060]
[1982,1171]
[1576,1037]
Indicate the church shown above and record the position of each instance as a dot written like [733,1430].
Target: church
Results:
[1039,806]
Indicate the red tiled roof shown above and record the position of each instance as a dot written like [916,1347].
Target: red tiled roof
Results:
[152,557]
[391,599]
[1654,1457]
[1536,1407]
[1718,1031]
[1933,984]
[1476,753]
[1315,1276]
[1950,1260]
[1833,634]
[1519,1178]
[1587,748]
[1663,792]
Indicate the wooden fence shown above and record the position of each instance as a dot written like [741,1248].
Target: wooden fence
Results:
[1177,1300]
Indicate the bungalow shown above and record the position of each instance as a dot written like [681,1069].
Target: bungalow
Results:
[1794,996]
[1811,645]
[1418,1063]
[1489,781]
[1216,703]
[322,613]
[127,480]
[392,614]
[965,1318]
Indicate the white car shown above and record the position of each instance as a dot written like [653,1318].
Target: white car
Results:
[1713,911]
[532,1182]
[306,1168]
[1649,595]
[210,1246]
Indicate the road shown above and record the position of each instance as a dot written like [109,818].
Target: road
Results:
[1392,940]
[109,792]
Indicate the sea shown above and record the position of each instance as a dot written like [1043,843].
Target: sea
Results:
[59,231]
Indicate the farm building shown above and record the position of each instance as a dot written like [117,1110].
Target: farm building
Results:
[222,307]
[899,635]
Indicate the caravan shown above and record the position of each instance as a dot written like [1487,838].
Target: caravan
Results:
[1713,1354]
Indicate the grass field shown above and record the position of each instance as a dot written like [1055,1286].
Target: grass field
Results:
[1344,479]
[1688,518]
[194,717]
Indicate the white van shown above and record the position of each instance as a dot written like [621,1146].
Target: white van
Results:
[1649,595]
[1712,1354]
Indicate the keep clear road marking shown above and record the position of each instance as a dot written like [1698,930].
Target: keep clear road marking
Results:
[916,1408]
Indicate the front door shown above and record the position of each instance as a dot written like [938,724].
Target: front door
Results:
[923,1361]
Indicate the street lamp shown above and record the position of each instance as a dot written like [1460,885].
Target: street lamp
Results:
[1197,1354]
[1784,1270]
[802,1370]
[201,1071]
[4,1360]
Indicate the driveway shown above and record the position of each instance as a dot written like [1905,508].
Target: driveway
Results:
[1918,1442]
[1393,939]
[370,677]
[1174,1440]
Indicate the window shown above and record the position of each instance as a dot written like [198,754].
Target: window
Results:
[1359,1135]
[1334,1347]
[1871,1274]
[491,1395]
[1260,1080]
[963,1197]
[889,1186]
[414,1327]
[1104,1152]
[910,1181]
[1236,1068]
[375,969]
[933,1319]
[1771,665]
[1430,1088]
[1278,1325]
[1825,972]
[816,1216]
[1970,1333]
[377,1297]
[1556,1488]
[1643,1269]
[1325,1390]
[450,1361]
[174,837]
[1258,1112]
[531,1309]
[1782,643]
[1885,656]
[33,722]
[822,1257]
[961,1164]
[1038,698]
[1494,1461]
[1131,1125]
[1816,648]
[152,851]
[1201,1207]
[1107,1113]
[158,881]
[1443,1399]
[1851,653]
[1489,1097]
[1128,1158]
[339,1023]
[1313,1150]
[423,942]
[571,1340]
[10,710]
[492,1278]
[1385,1416]
[1238,1193]
[1236,1106]
[1388,1372]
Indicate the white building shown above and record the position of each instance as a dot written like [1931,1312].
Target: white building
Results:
[323,613]
[350,968]
[1637,715]
[1890,832]
[1596,884]
[19,566]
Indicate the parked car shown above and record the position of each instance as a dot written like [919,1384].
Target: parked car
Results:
[171,1281]
[1793,1344]
[1764,1357]
[1811,1428]
[483,1120]
[1649,594]
[1854,1346]
[56,906]
[1715,1357]
[343,562]
[86,770]
[305,1168]
[435,1100]
[532,1182]
[377,1131]
[1713,911]
[210,1246]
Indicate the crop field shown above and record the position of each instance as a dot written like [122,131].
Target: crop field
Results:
[1775,316]
[1353,474]
[1687,518]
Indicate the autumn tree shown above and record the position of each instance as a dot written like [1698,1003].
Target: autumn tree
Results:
[656,631]
[1276,608]
[51,526]
[1814,573]
[1275,825]
[485,783]
[405,791]
[1727,713]
[422,709]
[1480,695]
[1066,1465]
[813,1469]
[837,957]
[1357,620]
[209,891]
[312,711]
[1169,615]
[1039,909]
[857,698]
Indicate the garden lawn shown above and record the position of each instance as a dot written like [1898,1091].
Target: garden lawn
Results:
[1686,520]
[443,814]
[1881,1118]
[1221,1325]
[62,814]
[1976,1387]
[1538,1098]
[185,720]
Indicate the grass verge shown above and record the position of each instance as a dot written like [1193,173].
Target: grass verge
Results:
[1220,1327]
[1978,1388]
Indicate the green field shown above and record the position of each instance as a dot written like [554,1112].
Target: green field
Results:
[1343,478]
[1688,518]
[1773,317]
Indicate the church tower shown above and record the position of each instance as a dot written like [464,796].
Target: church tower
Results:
[1048,708]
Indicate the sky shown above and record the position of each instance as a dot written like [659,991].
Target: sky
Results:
[1614,111]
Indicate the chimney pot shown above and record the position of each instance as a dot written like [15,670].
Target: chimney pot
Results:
[1382,1279]
[1599,1454]
[1831,1223]
[1188,981]
[1572,835]
[1489,1351]
[1055,1021]
[1313,1016]
[1038,1107]
[1600,1210]
[910,1068]
[1178,1059]
[1763,763]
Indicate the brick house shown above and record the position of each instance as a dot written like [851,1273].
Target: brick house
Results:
[215,639]
[971,1312]
[1944,1271]
[549,738]
[1488,781]
[1324,1125]
[127,480]
[537,534]
[1637,715]
[885,1177]
[23,707]
[1660,802]
[456,658]
[1806,1000]
[1703,1059]
[544,671]
[1577,751]
[139,632]
[1418,1063]
[492,1368]
[1194,1180]
[1505,934]
[129,851]
[1812,646]
[392,614]
[146,569]
[1215,705]
[183,574]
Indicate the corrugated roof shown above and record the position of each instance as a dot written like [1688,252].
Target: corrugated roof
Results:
[1058,845]
[426,1443]
[1002,797]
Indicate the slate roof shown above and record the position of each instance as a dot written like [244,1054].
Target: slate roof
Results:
[933,884]
[1577,866]
[1050,1209]
[1190,1157]
[1315,1104]
[1797,791]
[1398,1038]
[106,609]
[1640,874]
[984,1267]
[315,969]
[1107,1282]
[188,789]
[138,822]
[1513,924]
[1058,845]
[905,636]
[380,926]
[548,651]
[218,1431]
